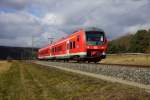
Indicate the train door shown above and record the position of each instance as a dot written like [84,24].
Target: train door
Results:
[67,48]
[50,52]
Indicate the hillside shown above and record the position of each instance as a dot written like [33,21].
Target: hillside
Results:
[16,52]
[131,43]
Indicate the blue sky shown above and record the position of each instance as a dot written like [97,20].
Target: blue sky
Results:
[42,19]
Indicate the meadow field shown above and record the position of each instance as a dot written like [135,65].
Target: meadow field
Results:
[26,81]
[131,59]
[4,66]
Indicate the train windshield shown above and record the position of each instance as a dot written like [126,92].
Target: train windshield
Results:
[94,37]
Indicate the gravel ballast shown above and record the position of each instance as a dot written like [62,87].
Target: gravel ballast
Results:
[140,75]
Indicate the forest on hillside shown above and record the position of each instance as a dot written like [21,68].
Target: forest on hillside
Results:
[18,53]
[131,43]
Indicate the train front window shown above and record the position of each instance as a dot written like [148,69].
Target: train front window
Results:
[94,38]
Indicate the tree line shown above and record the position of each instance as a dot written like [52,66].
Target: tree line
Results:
[17,53]
[131,43]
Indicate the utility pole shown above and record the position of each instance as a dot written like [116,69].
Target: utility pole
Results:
[32,49]
[50,40]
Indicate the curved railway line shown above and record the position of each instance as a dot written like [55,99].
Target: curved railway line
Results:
[133,75]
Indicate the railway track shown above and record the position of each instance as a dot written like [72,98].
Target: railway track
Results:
[119,65]
[127,65]
[136,75]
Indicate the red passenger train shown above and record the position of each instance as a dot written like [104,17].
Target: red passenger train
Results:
[87,44]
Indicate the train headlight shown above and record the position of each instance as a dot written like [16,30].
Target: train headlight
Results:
[102,47]
[103,53]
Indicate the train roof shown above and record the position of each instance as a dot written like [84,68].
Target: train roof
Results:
[93,29]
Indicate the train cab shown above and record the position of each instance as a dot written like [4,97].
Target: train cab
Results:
[96,44]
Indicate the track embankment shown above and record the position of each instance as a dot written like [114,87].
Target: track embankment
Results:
[134,76]
[27,81]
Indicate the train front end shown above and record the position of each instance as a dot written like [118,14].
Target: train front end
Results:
[96,44]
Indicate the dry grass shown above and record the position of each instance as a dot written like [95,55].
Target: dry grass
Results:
[34,82]
[128,59]
[4,66]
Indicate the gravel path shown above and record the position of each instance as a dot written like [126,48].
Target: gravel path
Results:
[139,77]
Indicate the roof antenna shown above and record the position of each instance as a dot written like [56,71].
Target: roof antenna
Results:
[50,40]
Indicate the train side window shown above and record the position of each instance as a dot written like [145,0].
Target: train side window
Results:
[70,45]
[67,46]
[74,45]
[59,48]
[78,38]
[55,49]
[52,50]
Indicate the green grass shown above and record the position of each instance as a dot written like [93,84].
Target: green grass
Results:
[34,82]
[10,88]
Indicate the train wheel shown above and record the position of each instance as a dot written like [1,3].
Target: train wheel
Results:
[67,60]
[88,61]
[84,61]
[95,62]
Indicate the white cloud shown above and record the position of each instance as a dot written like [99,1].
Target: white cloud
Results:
[19,25]
[133,29]
[53,19]
[58,18]
[16,29]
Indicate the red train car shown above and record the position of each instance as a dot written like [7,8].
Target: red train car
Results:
[87,44]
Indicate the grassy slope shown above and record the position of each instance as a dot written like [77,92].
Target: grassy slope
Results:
[4,66]
[128,59]
[34,82]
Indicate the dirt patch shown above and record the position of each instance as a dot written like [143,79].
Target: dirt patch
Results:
[4,66]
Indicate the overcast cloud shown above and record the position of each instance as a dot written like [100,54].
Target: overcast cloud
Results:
[42,19]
